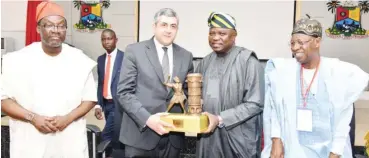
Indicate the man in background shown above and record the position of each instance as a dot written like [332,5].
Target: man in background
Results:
[48,87]
[108,69]
[233,94]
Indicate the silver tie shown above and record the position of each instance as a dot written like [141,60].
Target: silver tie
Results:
[165,64]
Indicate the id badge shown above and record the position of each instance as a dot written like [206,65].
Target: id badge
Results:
[304,120]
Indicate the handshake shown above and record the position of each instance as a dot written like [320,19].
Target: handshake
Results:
[47,125]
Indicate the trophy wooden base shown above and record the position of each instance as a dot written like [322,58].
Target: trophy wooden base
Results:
[188,123]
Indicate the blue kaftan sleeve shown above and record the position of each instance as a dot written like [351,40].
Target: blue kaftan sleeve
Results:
[355,80]
[271,123]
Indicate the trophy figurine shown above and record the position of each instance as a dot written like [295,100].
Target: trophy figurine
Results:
[192,121]
[178,97]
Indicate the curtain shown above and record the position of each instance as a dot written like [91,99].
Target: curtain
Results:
[31,25]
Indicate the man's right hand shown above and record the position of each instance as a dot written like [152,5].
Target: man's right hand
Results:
[43,124]
[98,113]
[277,148]
[158,125]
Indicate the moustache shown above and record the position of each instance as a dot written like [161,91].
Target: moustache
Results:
[299,55]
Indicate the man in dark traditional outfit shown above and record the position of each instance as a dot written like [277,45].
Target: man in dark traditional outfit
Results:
[233,94]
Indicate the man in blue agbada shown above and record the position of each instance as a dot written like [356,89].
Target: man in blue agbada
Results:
[309,100]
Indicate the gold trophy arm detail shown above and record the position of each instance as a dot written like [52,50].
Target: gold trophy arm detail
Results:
[178,97]
[167,80]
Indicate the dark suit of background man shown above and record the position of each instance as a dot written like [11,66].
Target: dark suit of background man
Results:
[109,65]
[142,94]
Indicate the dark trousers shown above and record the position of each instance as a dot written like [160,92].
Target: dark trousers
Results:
[108,131]
[164,149]
[118,147]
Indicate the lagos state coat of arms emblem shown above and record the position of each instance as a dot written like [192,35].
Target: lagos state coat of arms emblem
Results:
[348,19]
[91,15]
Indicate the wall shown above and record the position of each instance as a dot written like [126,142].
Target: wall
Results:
[14,28]
[355,51]
[120,14]
[264,32]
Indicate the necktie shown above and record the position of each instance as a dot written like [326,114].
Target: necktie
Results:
[106,77]
[165,64]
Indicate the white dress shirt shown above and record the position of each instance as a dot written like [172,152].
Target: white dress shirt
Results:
[159,49]
[113,55]
[112,61]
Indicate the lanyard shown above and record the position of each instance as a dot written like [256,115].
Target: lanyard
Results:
[304,95]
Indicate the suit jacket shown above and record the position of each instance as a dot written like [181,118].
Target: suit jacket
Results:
[115,76]
[141,92]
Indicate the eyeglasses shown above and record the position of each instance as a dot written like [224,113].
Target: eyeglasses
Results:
[300,43]
[51,27]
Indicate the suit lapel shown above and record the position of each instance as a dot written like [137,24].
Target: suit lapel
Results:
[152,55]
[102,66]
[176,61]
[117,64]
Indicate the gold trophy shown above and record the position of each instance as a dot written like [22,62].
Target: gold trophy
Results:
[191,122]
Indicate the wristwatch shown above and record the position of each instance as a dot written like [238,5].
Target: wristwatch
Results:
[30,116]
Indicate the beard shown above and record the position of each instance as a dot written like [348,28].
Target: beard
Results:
[52,44]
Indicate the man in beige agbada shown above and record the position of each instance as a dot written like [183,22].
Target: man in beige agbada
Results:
[48,87]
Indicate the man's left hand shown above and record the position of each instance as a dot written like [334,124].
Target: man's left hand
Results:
[61,122]
[213,122]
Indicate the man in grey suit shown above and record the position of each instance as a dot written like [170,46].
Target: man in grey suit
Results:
[144,97]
